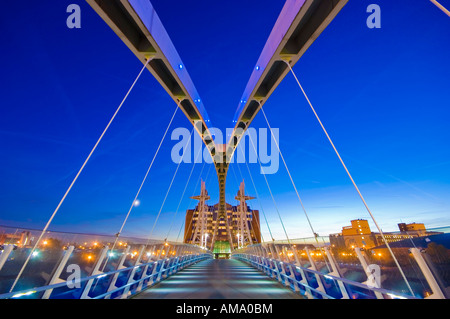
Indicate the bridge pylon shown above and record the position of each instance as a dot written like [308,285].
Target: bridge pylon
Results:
[200,236]
[243,229]
[221,163]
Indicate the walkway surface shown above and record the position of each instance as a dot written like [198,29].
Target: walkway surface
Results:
[219,279]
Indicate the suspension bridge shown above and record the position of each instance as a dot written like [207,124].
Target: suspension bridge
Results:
[254,268]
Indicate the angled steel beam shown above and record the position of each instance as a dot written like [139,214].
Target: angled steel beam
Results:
[139,27]
[297,27]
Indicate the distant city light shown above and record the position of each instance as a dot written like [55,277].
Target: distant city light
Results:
[24,294]
[395,296]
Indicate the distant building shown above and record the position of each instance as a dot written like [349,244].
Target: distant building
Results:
[19,239]
[413,228]
[360,235]
[356,235]
[222,235]
[243,224]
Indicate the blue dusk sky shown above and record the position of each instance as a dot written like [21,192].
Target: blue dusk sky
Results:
[383,95]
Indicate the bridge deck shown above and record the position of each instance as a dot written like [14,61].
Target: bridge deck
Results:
[219,279]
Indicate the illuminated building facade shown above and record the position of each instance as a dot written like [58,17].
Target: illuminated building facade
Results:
[241,227]
[360,235]
[19,239]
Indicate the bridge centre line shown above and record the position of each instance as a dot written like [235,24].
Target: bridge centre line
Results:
[219,279]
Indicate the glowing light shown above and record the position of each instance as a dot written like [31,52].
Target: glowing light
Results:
[35,253]
[257,68]
[180,66]
[395,296]
[136,203]
[45,242]
[24,294]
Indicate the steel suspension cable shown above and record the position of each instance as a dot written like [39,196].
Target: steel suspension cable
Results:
[440,6]
[315,235]
[290,177]
[184,191]
[352,180]
[257,221]
[257,196]
[167,193]
[193,194]
[273,198]
[237,201]
[144,179]
[76,177]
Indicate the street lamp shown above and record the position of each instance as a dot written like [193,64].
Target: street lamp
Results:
[205,240]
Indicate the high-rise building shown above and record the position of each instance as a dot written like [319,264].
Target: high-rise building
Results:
[360,235]
[241,226]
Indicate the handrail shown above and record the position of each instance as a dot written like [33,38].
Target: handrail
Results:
[315,272]
[101,275]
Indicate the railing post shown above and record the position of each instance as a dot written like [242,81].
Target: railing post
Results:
[145,270]
[112,285]
[283,272]
[294,280]
[131,275]
[181,257]
[272,253]
[5,254]
[55,278]
[369,275]
[304,281]
[176,262]
[95,271]
[154,280]
[265,261]
[336,273]
[437,292]
[313,267]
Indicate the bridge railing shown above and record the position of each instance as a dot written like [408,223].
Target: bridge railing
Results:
[91,269]
[316,269]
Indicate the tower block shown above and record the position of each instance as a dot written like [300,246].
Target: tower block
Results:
[200,236]
[243,229]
